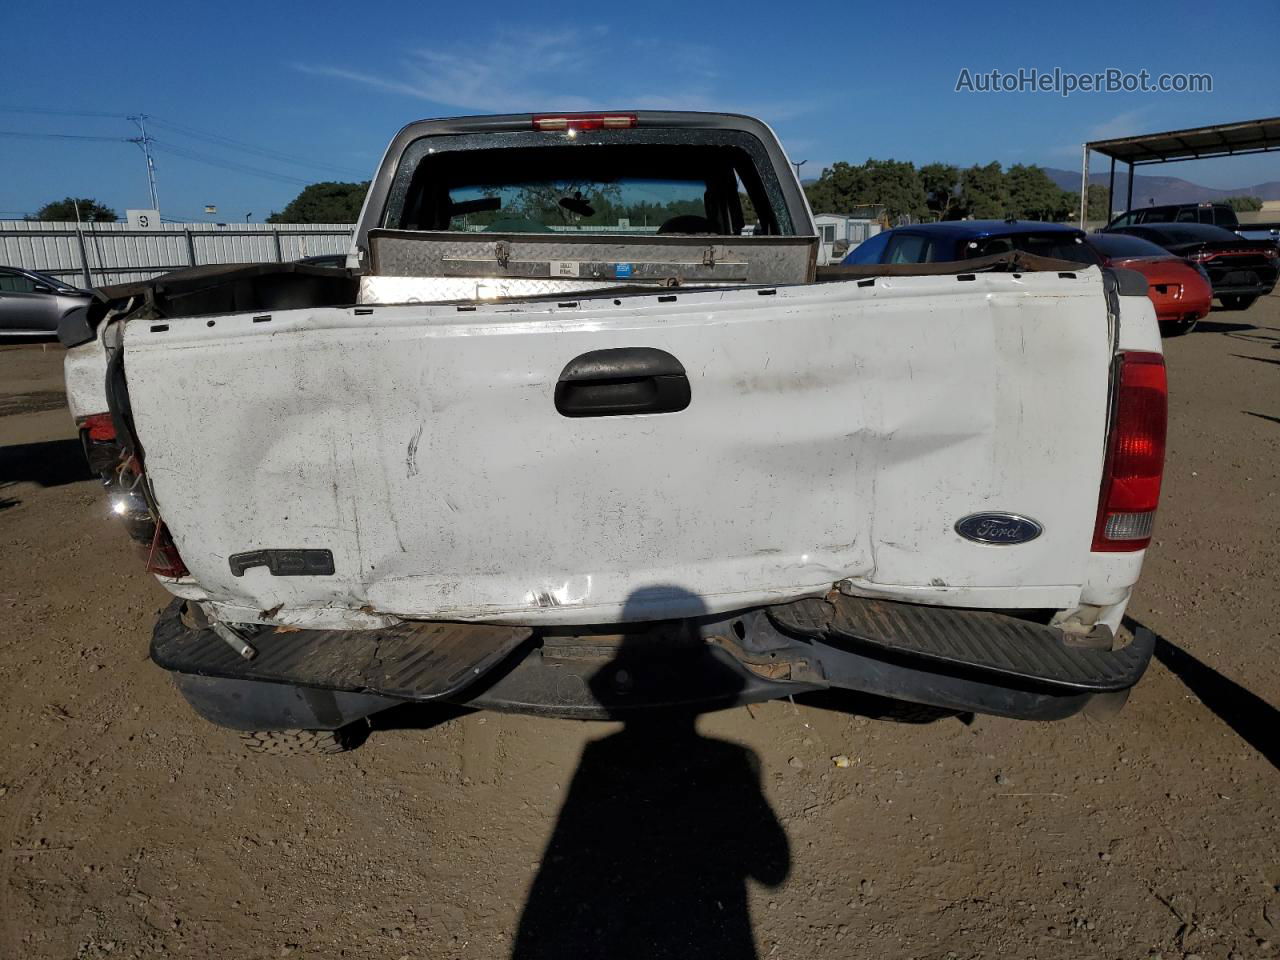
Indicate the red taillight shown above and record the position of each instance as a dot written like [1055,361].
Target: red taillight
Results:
[163,557]
[1206,255]
[1135,455]
[122,475]
[99,426]
[585,121]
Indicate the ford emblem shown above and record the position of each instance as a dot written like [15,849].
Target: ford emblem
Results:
[999,528]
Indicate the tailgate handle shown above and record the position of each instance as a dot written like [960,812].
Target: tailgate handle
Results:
[622,381]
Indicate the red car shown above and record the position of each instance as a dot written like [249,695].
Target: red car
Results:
[1179,289]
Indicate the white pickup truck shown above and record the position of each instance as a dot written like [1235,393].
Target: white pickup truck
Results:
[582,430]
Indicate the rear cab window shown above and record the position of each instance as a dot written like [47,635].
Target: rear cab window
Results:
[634,181]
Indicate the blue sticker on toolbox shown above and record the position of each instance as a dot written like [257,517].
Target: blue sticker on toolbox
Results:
[621,270]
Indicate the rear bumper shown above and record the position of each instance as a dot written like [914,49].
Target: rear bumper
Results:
[963,660]
[1256,280]
[1183,311]
[1246,289]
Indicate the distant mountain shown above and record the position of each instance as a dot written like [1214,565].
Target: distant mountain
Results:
[1149,189]
[1161,189]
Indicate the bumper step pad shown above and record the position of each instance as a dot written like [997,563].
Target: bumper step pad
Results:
[969,642]
[413,660]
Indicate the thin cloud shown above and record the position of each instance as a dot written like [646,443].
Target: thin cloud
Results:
[509,73]
[572,68]
[1121,125]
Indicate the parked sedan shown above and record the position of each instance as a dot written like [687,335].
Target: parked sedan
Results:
[965,239]
[31,304]
[1179,289]
[1240,270]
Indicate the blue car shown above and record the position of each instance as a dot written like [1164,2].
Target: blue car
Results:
[965,239]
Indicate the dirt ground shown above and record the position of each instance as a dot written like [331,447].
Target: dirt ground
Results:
[129,827]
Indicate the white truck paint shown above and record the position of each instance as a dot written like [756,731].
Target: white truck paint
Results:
[836,434]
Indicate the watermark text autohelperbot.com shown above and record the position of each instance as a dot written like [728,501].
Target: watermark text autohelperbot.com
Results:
[1065,82]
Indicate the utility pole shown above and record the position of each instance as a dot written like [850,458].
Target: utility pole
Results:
[798,164]
[84,255]
[145,142]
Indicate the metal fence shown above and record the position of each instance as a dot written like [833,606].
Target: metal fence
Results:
[99,254]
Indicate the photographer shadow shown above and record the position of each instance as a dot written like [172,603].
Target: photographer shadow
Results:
[661,829]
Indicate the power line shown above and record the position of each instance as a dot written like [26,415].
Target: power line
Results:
[166,147]
[193,133]
[59,136]
[184,131]
[62,113]
[264,152]
[149,143]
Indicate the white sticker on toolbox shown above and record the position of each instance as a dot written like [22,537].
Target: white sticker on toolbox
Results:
[564,268]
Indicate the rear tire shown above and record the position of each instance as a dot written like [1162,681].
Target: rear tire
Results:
[1237,301]
[301,743]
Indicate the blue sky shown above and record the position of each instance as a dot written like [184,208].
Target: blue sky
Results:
[329,83]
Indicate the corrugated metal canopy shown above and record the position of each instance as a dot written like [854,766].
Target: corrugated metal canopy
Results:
[1219,140]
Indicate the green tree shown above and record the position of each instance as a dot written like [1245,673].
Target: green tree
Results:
[328,202]
[1068,206]
[1099,206]
[1033,196]
[1244,204]
[941,182]
[983,192]
[1098,209]
[91,211]
[844,187]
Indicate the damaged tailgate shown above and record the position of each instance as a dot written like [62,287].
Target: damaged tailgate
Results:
[831,431]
